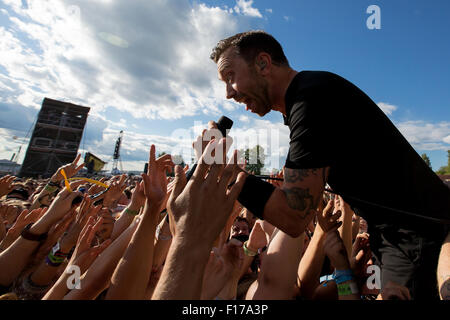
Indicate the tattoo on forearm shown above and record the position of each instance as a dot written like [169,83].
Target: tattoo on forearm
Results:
[299,199]
[294,175]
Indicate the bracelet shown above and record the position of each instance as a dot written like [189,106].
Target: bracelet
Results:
[132,212]
[55,256]
[50,188]
[53,261]
[247,251]
[346,289]
[341,276]
[26,234]
[54,184]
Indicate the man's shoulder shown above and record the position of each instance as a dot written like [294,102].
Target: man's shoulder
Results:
[308,79]
[309,86]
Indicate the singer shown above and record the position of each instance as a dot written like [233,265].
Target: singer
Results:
[336,133]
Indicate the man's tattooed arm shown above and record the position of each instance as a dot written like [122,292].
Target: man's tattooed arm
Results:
[299,197]
[291,207]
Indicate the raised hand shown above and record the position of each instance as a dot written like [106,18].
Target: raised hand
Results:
[63,202]
[155,181]
[6,185]
[26,217]
[258,238]
[95,188]
[23,220]
[361,255]
[83,212]
[106,228]
[202,140]
[138,195]
[328,220]
[70,169]
[115,191]
[222,263]
[84,255]
[8,213]
[205,202]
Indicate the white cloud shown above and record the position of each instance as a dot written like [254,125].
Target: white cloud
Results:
[386,107]
[446,139]
[245,7]
[150,58]
[269,10]
[244,118]
[286,18]
[426,136]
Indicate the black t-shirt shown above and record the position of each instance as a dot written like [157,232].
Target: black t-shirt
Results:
[333,123]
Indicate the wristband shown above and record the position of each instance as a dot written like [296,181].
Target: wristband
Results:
[53,261]
[247,251]
[55,256]
[343,276]
[347,289]
[50,188]
[26,234]
[255,194]
[132,212]
[342,279]
[54,184]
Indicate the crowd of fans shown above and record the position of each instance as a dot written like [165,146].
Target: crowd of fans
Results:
[157,237]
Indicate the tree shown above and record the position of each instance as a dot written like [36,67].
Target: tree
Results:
[448,159]
[445,169]
[426,159]
[254,159]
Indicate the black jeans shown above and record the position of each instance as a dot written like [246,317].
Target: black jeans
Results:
[409,258]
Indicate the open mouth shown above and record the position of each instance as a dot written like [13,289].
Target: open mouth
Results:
[248,104]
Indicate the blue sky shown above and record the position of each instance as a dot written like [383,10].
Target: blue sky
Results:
[143,67]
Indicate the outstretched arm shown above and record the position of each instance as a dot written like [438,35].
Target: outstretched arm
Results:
[132,274]
[312,261]
[98,275]
[202,204]
[279,268]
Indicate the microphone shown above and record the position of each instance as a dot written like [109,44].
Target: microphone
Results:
[223,125]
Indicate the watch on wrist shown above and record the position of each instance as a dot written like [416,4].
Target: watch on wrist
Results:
[26,234]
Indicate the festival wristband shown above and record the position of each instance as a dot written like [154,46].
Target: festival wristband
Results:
[247,251]
[347,289]
[55,256]
[343,275]
[132,212]
[255,194]
[50,188]
[54,184]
